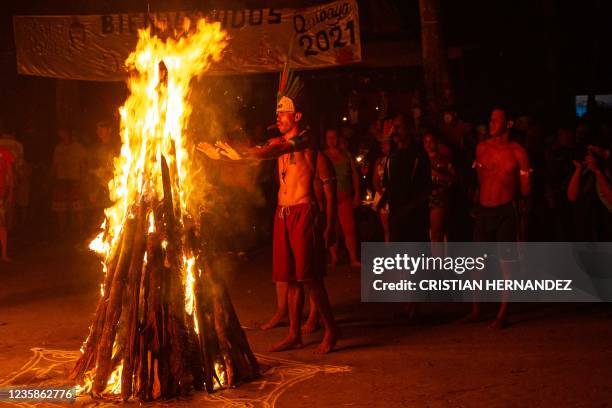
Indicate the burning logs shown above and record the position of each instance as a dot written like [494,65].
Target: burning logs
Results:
[164,324]
[156,334]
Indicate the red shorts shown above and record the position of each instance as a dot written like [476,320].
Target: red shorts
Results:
[298,252]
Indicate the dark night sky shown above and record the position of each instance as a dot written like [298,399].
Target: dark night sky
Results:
[525,50]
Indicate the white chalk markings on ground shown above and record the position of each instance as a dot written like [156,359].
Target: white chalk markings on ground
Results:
[49,367]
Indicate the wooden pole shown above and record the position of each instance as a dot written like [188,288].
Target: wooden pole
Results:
[437,80]
[131,307]
[113,311]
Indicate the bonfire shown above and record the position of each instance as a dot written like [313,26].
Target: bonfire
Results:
[164,324]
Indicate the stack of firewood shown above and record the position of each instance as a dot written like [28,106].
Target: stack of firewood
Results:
[141,323]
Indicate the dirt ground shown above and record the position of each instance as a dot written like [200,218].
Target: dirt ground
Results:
[552,355]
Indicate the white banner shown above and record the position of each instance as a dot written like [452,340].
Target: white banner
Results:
[94,47]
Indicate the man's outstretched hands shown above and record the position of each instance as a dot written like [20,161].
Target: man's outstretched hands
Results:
[209,150]
[228,151]
[219,150]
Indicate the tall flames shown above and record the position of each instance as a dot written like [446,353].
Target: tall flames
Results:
[153,123]
[157,297]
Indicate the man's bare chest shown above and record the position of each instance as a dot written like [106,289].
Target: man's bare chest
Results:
[498,161]
[294,165]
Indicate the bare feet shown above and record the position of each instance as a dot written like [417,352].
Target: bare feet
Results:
[275,321]
[499,323]
[311,326]
[290,342]
[471,318]
[329,341]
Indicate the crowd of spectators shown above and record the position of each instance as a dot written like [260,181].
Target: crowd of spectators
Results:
[403,158]
[73,185]
[570,170]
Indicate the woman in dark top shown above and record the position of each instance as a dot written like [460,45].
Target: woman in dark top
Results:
[377,181]
[442,174]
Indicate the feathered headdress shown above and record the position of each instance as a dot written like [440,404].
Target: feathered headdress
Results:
[289,87]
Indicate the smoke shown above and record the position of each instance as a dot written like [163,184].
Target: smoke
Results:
[229,193]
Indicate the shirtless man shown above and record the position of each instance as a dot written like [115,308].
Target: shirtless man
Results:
[297,257]
[325,191]
[503,169]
